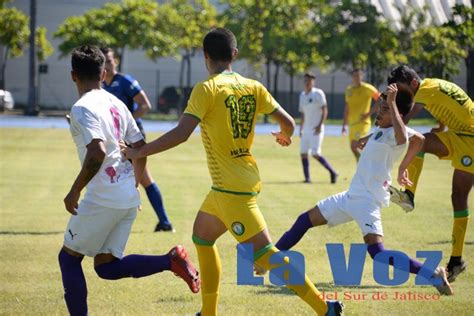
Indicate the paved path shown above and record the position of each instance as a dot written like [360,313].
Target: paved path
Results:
[20,121]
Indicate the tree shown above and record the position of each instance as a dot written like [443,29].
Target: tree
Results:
[462,23]
[129,24]
[14,35]
[187,22]
[355,35]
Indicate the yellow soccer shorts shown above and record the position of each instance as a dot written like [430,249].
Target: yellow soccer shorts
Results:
[358,130]
[239,213]
[461,149]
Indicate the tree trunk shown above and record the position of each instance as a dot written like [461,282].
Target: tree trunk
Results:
[269,84]
[470,73]
[31,109]
[4,66]
[120,53]
[292,88]
[188,75]
[275,79]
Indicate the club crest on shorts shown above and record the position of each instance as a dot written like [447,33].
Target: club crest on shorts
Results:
[379,134]
[238,228]
[466,161]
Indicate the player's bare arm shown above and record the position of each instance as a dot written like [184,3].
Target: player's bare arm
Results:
[287,127]
[143,104]
[92,162]
[324,115]
[173,138]
[397,122]
[139,164]
[415,144]
[417,107]
[302,124]
[344,121]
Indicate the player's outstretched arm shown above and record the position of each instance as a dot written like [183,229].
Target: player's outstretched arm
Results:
[92,162]
[139,164]
[287,126]
[143,104]
[173,138]
[414,146]
[397,122]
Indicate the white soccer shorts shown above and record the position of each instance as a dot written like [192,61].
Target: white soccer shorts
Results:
[97,229]
[341,208]
[310,141]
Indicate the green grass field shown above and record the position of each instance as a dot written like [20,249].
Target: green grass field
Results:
[37,168]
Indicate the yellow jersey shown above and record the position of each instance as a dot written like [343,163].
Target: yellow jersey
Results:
[358,100]
[448,103]
[227,105]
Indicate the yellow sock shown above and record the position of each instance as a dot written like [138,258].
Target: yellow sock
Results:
[414,171]
[210,271]
[461,219]
[307,291]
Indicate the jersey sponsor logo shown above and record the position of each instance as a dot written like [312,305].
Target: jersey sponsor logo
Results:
[114,84]
[242,113]
[240,152]
[466,161]
[238,228]
[378,135]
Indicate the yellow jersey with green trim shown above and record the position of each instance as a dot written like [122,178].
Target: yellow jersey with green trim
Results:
[358,100]
[448,103]
[227,105]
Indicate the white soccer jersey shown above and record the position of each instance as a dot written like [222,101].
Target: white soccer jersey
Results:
[100,115]
[375,164]
[311,105]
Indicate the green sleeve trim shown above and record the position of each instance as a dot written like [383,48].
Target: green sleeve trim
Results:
[190,114]
[276,109]
[258,254]
[202,242]
[234,192]
[421,154]
[463,213]
[463,134]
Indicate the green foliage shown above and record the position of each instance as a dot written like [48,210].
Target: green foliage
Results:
[463,26]
[436,52]
[355,35]
[117,25]
[44,47]
[14,31]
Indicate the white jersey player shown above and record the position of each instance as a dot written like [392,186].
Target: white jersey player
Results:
[368,191]
[100,224]
[313,109]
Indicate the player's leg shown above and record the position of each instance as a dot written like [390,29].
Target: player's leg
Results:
[156,201]
[316,144]
[303,223]
[207,229]
[432,145]
[263,250]
[461,187]
[304,148]
[355,149]
[74,282]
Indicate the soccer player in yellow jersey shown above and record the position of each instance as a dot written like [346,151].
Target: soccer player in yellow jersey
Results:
[226,107]
[357,112]
[453,108]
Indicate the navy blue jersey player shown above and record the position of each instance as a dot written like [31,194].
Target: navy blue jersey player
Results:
[128,90]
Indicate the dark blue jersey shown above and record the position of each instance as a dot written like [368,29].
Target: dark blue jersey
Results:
[124,87]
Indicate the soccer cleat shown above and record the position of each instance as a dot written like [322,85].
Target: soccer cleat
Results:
[164,228]
[444,288]
[402,198]
[334,177]
[307,181]
[335,308]
[183,267]
[455,269]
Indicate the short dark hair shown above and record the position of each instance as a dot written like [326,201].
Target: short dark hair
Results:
[403,74]
[404,100]
[219,44]
[88,62]
[356,70]
[106,50]
[310,75]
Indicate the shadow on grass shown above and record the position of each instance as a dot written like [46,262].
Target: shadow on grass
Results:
[293,182]
[322,287]
[442,242]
